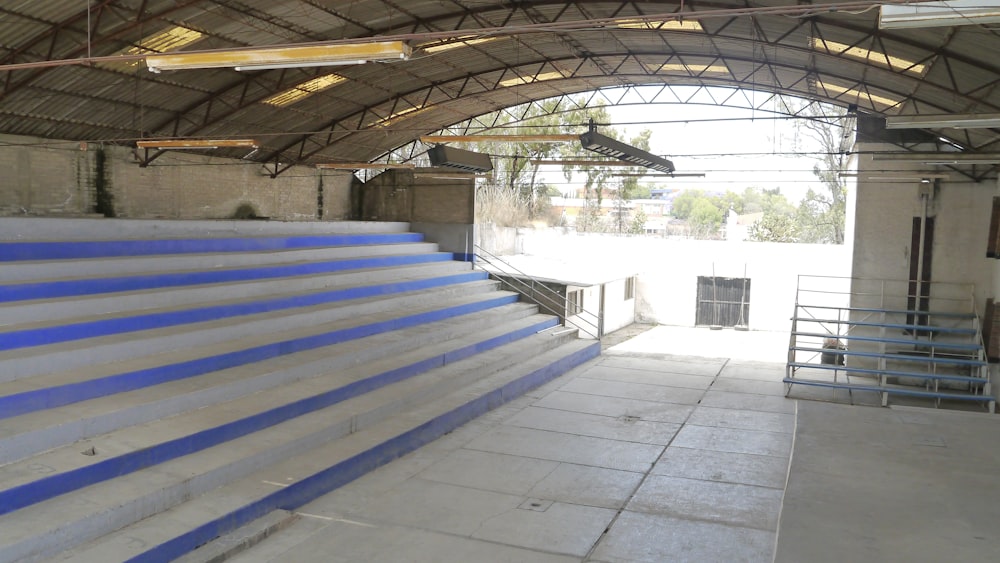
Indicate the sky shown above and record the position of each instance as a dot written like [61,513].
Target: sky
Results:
[735,148]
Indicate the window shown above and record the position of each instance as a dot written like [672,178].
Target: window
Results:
[630,288]
[574,302]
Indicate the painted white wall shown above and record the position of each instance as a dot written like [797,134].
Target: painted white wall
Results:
[618,311]
[586,321]
[666,287]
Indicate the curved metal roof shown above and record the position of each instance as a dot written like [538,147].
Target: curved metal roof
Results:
[515,52]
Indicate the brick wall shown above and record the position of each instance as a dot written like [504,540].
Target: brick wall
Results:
[62,178]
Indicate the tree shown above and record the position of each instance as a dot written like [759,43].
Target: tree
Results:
[821,215]
[513,170]
[638,225]
[705,219]
[774,227]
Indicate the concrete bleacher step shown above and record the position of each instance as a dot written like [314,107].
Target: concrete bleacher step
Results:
[41,430]
[49,289]
[38,361]
[145,375]
[13,272]
[99,509]
[27,334]
[24,395]
[200,428]
[109,304]
[37,250]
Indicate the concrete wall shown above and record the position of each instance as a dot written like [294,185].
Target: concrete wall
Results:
[666,287]
[53,178]
[439,204]
[884,221]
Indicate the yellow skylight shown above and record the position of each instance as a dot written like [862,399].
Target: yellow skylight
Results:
[387,121]
[304,90]
[166,41]
[663,25]
[528,80]
[692,69]
[171,39]
[448,44]
[850,93]
[864,54]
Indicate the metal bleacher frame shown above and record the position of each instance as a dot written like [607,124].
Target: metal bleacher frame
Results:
[890,338]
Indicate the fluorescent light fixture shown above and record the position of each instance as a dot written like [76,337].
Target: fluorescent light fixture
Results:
[282,57]
[660,25]
[864,54]
[944,121]
[365,166]
[938,14]
[582,162]
[536,78]
[433,139]
[304,90]
[601,144]
[857,94]
[941,157]
[449,44]
[915,178]
[468,161]
[173,144]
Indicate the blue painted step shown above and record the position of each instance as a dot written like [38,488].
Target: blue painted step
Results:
[895,356]
[179,530]
[92,286]
[104,327]
[57,250]
[892,373]
[56,484]
[44,430]
[30,401]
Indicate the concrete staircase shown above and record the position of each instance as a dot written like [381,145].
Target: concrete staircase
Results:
[156,394]
[879,341]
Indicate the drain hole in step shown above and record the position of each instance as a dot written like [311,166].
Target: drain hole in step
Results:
[89,451]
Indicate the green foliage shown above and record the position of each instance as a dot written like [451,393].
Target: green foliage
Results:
[638,224]
[705,218]
[684,203]
[641,191]
[821,215]
[775,227]
[514,172]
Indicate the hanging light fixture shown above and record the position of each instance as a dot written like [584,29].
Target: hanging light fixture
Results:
[602,144]
[282,57]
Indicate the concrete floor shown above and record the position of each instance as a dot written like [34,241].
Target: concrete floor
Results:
[649,455]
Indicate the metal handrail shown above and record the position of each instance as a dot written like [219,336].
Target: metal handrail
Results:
[550,300]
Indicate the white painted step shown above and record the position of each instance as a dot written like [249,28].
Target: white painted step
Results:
[48,527]
[35,432]
[178,342]
[68,307]
[36,271]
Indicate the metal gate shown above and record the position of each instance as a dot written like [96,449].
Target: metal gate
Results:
[723,301]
